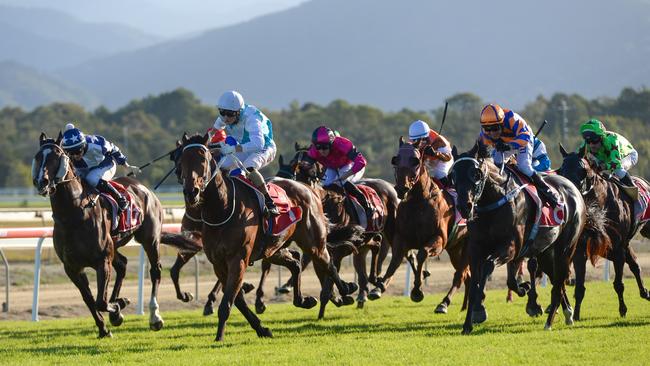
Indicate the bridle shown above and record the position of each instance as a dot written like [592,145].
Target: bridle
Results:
[62,172]
[419,170]
[479,184]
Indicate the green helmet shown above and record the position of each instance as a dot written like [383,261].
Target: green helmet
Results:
[592,129]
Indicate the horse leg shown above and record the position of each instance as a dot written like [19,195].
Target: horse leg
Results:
[382,283]
[455,285]
[630,258]
[580,269]
[558,274]
[381,257]
[566,307]
[344,300]
[181,260]
[253,320]
[151,247]
[231,274]
[618,259]
[479,312]
[103,270]
[416,294]
[284,258]
[79,278]
[533,308]
[520,289]
[260,307]
[359,261]
[327,286]
[208,308]
[119,263]
[480,268]
[304,261]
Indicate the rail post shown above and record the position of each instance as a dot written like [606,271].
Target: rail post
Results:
[141,283]
[5,305]
[37,278]
[196,278]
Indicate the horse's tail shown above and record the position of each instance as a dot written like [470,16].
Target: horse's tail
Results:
[348,236]
[595,235]
[181,242]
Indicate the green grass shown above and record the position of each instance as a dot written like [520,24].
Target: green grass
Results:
[392,330]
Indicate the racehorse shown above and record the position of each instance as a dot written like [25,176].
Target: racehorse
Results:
[500,219]
[426,221]
[620,226]
[233,228]
[340,211]
[82,233]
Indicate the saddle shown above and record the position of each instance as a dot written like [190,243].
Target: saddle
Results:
[546,216]
[375,223]
[128,220]
[642,203]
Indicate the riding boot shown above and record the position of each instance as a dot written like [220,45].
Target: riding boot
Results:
[105,187]
[627,180]
[545,190]
[353,190]
[257,179]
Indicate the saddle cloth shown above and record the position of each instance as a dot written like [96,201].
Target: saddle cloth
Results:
[289,213]
[375,223]
[548,217]
[642,205]
[129,219]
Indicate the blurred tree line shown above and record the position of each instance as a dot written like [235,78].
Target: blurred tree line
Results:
[149,127]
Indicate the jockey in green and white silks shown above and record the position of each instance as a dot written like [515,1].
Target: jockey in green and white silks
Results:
[612,151]
[250,140]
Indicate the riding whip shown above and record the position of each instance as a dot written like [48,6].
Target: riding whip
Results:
[164,178]
[154,160]
[444,116]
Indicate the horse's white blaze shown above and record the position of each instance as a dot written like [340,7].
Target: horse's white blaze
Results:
[45,153]
[63,167]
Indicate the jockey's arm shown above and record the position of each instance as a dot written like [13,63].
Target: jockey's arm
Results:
[255,134]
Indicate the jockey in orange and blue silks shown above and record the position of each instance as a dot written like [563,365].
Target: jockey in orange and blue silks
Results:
[510,135]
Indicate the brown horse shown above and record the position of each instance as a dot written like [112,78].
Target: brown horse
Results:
[340,211]
[82,233]
[233,228]
[620,226]
[425,222]
[500,220]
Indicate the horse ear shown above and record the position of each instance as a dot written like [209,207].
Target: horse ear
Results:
[474,150]
[563,150]
[206,138]
[296,147]
[178,143]
[59,138]
[42,137]
[184,138]
[454,152]
[401,141]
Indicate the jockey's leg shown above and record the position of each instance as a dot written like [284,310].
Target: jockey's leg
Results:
[525,165]
[440,170]
[353,190]
[105,187]
[257,179]
[99,177]
[626,163]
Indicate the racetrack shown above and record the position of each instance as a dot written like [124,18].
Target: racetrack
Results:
[393,330]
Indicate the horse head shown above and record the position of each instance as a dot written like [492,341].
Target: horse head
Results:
[50,165]
[577,169]
[195,167]
[408,165]
[303,167]
[334,202]
[468,176]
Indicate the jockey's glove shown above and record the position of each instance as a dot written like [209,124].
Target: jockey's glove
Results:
[227,149]
[502,146]
[133,169]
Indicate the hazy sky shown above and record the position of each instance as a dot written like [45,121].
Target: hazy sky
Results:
[166,18]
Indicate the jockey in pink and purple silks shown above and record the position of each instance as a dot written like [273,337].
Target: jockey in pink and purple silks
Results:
[344,164]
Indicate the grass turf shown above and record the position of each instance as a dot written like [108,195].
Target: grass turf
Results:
[392,330]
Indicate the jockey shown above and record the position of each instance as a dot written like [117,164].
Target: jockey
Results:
[94,159]
[344,164]
[541,161]
[612,151]
[437,150]
[510,135]
[250,140]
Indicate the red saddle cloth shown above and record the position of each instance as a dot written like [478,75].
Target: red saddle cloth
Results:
[642,205]
[548,217]
[129,219]
[289,213]
[376,222]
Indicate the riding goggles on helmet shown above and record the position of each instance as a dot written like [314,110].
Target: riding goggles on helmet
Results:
[591,137]
[322,146]
[227,113]
[491,128]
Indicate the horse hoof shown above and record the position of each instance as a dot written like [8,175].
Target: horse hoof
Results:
[523,289]
[347,300]
[265,333]
[534,310]
[123,302]
[116,319]
[623,311]
[105,333]
[351,288]
[247,287]
[308,302]
[208,310]
[547,327]
[187,297]
[417,295]
[467,330]
[441,309]
[156,326]
[360,304]
[426,273]
[375,294]
[260,308]
[645,294]
[284,290]
[479,316]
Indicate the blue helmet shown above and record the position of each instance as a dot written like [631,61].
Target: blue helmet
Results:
[73,139]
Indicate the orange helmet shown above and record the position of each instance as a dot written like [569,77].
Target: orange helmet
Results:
[492,114]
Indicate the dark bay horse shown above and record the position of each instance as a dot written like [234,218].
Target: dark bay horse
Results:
[233,227]
[82,233]
[426,223]
[620,226]
[500,218]
[340,212]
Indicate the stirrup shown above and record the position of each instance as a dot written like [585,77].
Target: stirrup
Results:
[271,208]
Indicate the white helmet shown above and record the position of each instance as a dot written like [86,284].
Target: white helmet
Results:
[231,100]
[418,129]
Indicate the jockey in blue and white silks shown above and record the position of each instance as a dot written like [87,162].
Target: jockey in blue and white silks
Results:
[94,159]
[250,140]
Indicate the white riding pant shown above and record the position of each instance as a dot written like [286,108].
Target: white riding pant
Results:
[524,158]
[257,159]
[627,163]
[93,175]
[332,175]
